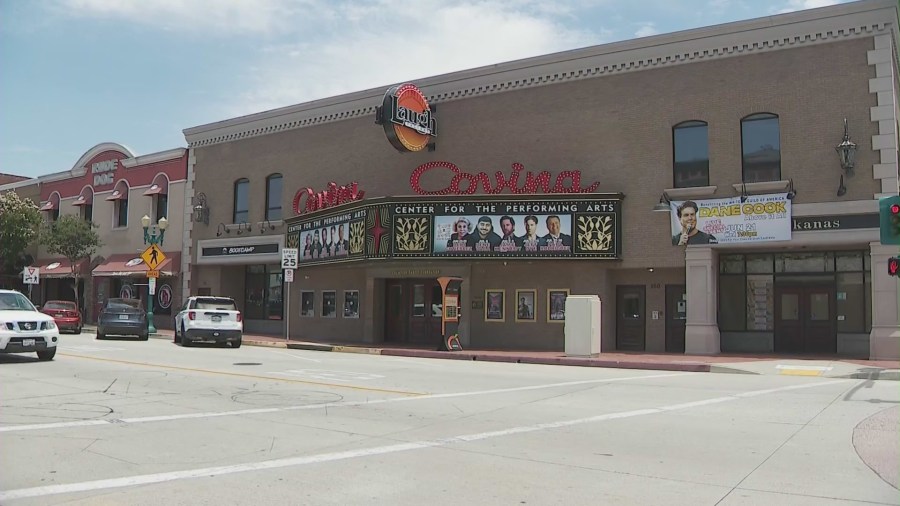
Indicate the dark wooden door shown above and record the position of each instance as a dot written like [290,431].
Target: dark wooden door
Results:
[413,311]
[676,317]
[396,312]
[805,319]
[630,317]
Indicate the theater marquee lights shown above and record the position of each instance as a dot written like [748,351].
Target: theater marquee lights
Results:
[524,227]
[465,183]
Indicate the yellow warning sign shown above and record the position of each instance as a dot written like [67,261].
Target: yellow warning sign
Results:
[153,257]
[152,274]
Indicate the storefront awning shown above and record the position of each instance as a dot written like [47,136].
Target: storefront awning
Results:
[83,201]
[48,206]
[58,267]
[117,195]
[131,266]
[155,190]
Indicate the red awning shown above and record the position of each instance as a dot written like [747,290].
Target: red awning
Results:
[155,190]
[48,206]
[57,267]
[117,195]
[82,201]
[131,265]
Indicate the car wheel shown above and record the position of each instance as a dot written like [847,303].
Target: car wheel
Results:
[100,334]
[185,342]
[175,332]
[236,344]
[47,354]
[78,330]
[144,337]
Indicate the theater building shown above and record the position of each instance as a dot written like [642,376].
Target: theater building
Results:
[764,144]
[114,188]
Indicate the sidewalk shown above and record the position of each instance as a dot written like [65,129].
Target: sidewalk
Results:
[830,367]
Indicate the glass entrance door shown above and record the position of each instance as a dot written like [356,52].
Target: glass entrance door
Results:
[805,319]
[413,311]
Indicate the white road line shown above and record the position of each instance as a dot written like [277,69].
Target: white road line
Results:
[803,367]
[145,479]
[256,411]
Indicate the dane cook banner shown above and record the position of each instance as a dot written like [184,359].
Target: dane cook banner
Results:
[727,221]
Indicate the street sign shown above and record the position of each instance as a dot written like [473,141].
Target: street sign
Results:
[152,274]
[151,285]
[153,257]
[31,275]
[289,275]
[289,258]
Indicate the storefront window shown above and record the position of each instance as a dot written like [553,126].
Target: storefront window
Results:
[418,300]
[760,302]
[731,303]
[804,262]
[761,264]
[263,288]
[731,264]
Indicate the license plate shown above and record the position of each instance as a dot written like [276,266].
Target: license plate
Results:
[123,316]
[216,318]
[27,342]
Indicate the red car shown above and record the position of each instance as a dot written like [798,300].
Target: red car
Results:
[65,313]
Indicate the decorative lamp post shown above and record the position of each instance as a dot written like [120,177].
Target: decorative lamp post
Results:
[153,236]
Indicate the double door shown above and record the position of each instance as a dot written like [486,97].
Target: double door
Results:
[805,319]
[413,311]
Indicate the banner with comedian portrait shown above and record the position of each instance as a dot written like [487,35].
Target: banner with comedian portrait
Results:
[761,218]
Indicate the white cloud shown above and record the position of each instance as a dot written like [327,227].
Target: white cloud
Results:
[230,16]
[799,5]
[646,30]
[371,45]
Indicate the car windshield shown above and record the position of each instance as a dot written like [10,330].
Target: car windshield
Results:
[213,303]
[15,302]
[117,304]
[56,304]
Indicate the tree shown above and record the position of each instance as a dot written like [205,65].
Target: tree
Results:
[20,222]
[73,238]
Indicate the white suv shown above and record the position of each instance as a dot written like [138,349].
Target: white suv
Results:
[208,318]
[24,329]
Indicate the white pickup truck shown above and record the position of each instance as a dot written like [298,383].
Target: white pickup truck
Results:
[209,319]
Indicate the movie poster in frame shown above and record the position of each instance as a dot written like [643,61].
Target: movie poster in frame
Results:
[525,306]
[556,304]
[307,303]
[495,305]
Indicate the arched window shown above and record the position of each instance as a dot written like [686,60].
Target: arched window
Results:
[690,144]
[273,197]
[241,200]
[761,148]
[119,198]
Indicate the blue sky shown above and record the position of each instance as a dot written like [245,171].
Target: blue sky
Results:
[75,73]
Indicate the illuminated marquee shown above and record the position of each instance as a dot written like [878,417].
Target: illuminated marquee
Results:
[332,196]
[567,181]
[407,118]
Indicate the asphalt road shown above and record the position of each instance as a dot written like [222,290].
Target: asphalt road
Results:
[121,422]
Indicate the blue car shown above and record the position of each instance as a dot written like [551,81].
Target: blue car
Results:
[123,317]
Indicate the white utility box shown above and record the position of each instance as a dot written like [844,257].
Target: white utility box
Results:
[583,325]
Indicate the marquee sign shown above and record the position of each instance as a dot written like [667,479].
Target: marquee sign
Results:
[333,195]
[567,181]
[553,226]
[407,118]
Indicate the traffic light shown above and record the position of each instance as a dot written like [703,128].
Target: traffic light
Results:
[894,266]
[889,208]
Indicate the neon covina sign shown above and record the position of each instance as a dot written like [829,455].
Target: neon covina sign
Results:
[567,181]
[332,196]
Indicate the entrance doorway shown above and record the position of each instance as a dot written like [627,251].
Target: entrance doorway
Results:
[413,311]
[805,318]
[630,318]
[676,317]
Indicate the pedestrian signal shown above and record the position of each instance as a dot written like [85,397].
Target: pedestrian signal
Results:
[894,266]
[889,210]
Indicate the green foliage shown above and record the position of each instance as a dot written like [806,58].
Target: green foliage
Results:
[20,222]
[73,238]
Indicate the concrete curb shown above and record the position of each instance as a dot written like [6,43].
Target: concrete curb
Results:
[867,373]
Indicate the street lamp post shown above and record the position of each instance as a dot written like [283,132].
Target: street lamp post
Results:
[154,235]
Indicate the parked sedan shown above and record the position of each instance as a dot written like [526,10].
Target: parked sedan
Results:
[123,317]
[65,313]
